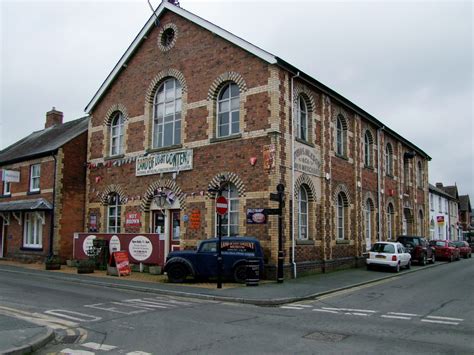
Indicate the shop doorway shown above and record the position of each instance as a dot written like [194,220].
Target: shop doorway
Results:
[166,224]
[174,229]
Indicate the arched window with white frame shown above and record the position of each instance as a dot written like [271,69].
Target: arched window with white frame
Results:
[228,110]
[230,221]
[390,222]
[116,134]
[368,216]
[302,213]
[368,146]
[114,210]
[167,114]
[389,159]
[341,215]
[341,136]
[301,119]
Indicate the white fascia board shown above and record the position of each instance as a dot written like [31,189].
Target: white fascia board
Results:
[260,53]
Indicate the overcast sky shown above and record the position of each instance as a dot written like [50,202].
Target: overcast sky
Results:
[410,64]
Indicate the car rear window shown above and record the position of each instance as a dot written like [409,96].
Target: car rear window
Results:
[440,244]
[383,248]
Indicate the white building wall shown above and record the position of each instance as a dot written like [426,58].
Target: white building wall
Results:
[439,217]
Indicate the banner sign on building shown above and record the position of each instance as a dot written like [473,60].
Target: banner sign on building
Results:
[164,162]
[307,162]
[440,219]
[256,216]
[10,176]
[132,219]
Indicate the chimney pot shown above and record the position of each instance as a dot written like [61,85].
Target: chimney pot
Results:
[439,184]
[53,118]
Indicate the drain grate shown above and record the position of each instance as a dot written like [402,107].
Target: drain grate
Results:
[69,339]
[323,336]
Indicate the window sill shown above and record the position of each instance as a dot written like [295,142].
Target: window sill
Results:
[342,241]
[6,196]
[226,138]
[304,242]
[344,157]
[369,167]
[390,176]
[33,192]
[302,141]
[112,157]
[164,149]
[31,248]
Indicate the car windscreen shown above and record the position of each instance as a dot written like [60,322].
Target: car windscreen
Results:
[383,248]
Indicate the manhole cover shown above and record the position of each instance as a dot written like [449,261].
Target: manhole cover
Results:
[69,339]
[323,336]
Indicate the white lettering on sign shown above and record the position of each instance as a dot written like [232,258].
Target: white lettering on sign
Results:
[140,248]
[88,244]
[164,162]
[307,162]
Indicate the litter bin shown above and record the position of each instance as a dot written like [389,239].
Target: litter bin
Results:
[253,272]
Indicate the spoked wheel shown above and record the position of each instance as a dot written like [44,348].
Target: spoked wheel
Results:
[423,260]
[240,273]
[177,273]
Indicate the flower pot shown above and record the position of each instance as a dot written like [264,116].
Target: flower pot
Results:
[52,266]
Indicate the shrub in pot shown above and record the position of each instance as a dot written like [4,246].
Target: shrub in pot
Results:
[52,262]
[86,266]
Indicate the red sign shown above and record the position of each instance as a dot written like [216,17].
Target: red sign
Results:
[440,219]
[132,219]
[195,219]
[221,205]
[120,259]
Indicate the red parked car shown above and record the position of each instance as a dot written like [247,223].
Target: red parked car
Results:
[464,249]
[445,249]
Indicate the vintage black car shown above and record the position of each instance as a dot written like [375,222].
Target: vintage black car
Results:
[202,263]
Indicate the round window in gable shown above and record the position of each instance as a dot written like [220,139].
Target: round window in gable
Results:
[167,37]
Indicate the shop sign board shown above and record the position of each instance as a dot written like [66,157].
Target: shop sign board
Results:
[121,262]
[132,219]
[195,219]
[256,216]
[164,162]
[440,219]
[10,176]
[307,162]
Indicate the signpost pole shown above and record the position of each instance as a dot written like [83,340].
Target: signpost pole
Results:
[219,254]
[280,189]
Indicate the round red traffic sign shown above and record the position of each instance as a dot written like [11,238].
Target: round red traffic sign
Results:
[221,205]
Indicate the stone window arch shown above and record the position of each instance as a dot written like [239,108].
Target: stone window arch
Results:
[390,213]
[228,110]
[389,159]
[116,134]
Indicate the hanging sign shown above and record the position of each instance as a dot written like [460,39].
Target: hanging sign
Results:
[440,219]
[256,216]
[132,219]
[10,176]
[119,259]
[164,162]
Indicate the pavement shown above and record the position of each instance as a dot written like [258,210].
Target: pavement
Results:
[21,337]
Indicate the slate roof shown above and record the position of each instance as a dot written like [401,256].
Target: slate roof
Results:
[38,204]
[441,191]
[452,190]
[43,142]
[464,203]
[247,46]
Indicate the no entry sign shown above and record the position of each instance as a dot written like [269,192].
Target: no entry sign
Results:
[221,205]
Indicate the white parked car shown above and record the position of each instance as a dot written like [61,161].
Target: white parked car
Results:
[389,254]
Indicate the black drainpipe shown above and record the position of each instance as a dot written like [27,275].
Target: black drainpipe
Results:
[51,229]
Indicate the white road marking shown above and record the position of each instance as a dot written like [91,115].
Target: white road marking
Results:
[439,322]
[325,311]
[291,307]
[97,346]
[349,310]
[303,305]
[445,318]
[404,314]
[75,352]
[63,313]
[360,314]
[394,317]
[104,307]
[138,353]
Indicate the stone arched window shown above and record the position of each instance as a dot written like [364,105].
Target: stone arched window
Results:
[116,133]
[230,221]
[114,210]
[389,159]
[342,214]
[167,114]
[303,213]
[341,136]
[368,149]
[419,175]
[228,110]
[390,221]
[301,119]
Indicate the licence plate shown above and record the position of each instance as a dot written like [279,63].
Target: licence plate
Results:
[380,256]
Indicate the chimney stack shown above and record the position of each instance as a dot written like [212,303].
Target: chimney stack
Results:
[439,184]
[53,118]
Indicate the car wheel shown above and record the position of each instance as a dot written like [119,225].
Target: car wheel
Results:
[451,259]
[433,258]
[423,260]
[240,273]
[409,265]
[177,273]
[397,268]
[466,256]
[369,267]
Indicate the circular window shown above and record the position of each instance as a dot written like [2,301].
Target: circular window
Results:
[167,37]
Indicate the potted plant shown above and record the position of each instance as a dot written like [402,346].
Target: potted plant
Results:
[52,262]
[86,266]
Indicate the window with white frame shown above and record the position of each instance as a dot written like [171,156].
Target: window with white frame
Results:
[35,172]
[167,114]
[114,210]
[6,188]
[116,134]
[341,135]
[302,119]
[302,213]
[419,175]
[368,142]
[230,221]
[341,215]
[389,159]
[440,204]
[431,202]
[390,212]
[228,110]
[368,219]
[406,172]
[33,230]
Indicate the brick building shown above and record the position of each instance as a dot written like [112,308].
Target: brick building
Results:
[190,107]
[43,203]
